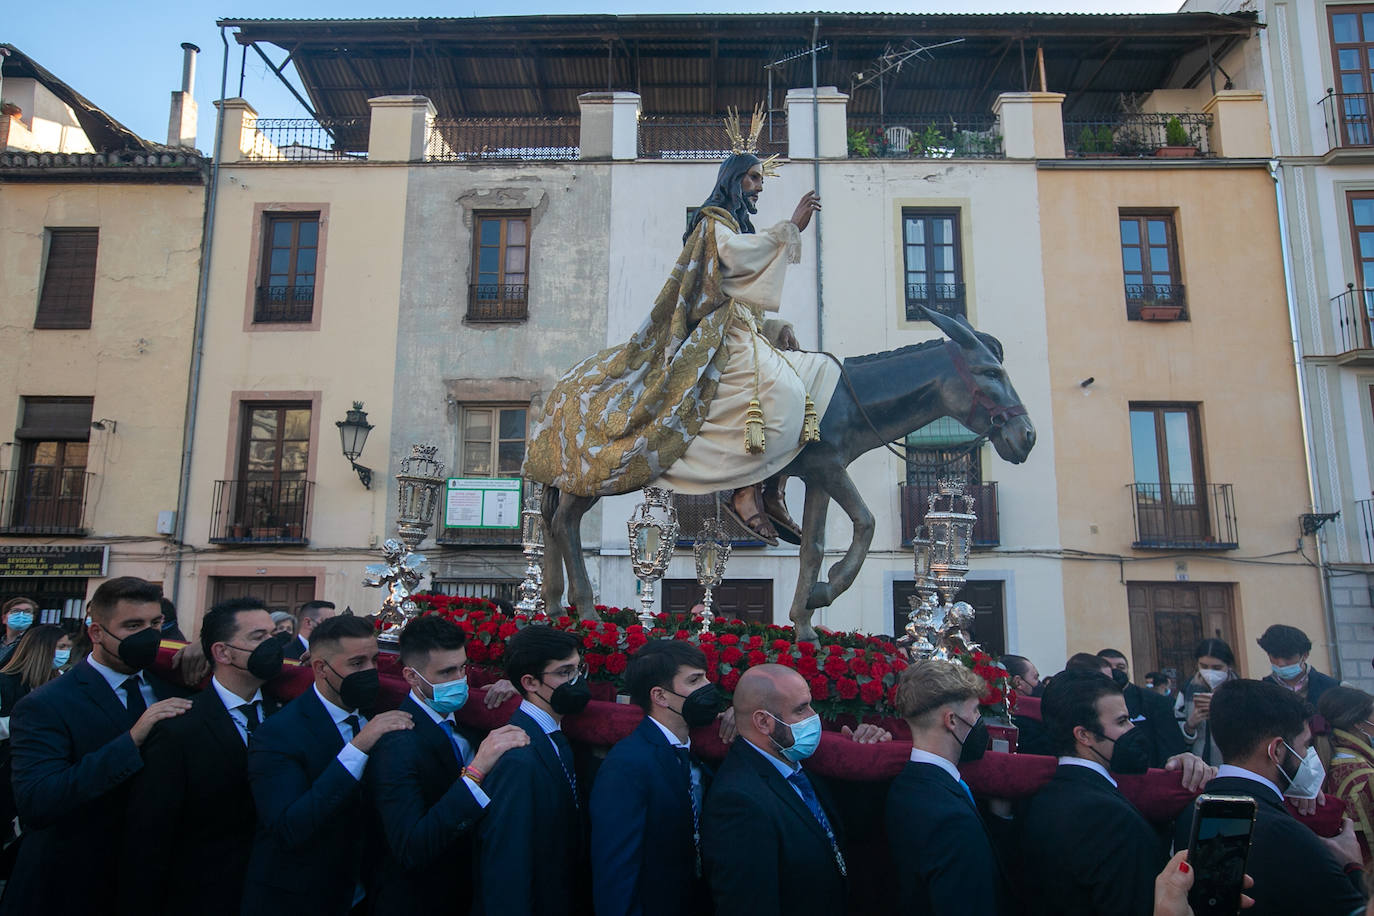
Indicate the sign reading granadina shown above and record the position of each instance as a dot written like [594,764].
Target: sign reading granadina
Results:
[67,560]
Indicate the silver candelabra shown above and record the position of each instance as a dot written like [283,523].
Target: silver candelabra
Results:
[420,481]
[653,533]
[938,625]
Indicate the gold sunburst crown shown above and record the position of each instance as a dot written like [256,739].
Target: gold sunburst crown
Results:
[740,144]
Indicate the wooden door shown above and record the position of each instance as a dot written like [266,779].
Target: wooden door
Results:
[1169,619]
[746,599]
[279,593]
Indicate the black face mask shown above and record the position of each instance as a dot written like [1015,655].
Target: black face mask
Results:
[975,743]
[701,706]
[139,650]
[359,690]
[572,697]
[1038,690]
[1121,678]
[264,659]
[1130,753]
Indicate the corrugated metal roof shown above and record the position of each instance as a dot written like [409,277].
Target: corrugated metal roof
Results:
[700,64]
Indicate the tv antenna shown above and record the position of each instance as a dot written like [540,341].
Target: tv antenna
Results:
[891,61]
[811,52]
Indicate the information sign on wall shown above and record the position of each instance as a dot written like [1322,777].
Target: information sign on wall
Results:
[482,502]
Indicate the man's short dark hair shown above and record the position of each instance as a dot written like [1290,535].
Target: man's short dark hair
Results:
[1070,701]
[1016,665]
[530,650]
[1085,661]
[311,609]
[124,588]
[1112,653]
[1247,713]
[1283,641]
[335,629]
[656,664]
[221,621]
[1156,678]
[427,634]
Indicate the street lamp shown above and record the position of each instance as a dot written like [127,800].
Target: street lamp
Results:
[353,430]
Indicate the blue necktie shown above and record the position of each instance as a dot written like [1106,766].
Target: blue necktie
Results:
[808,794]
[451,729]
[969,792]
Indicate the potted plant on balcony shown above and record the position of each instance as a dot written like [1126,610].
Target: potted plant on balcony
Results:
[860,143]
[1097,142]
[1178,142]
[1160,310]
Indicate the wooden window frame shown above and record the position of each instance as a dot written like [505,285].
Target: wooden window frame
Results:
[957,304]
[65,513]
[1158,408]
[494,445]
[510,305]
[271,219]
[1355,115]
[1144,306]
[67,301]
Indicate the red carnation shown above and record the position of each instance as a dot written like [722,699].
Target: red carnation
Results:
[706,638]
[871,692]
[820,688]
[730,681]
[835,667]
[755,642]
[635,640]
[477,651]
[836,650]
[806,648]
[682,634]
[807,665]
[731,654]
[756,657]
[847,688]
[589,642]
[507,630]
[609,639]
[616,662]
[892,695]
[729,639]
[491,626]
[786,660]
[595,661]
[878,668]
[859,665]
[781,645]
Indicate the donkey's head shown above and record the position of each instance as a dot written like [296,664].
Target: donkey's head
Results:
[979,393]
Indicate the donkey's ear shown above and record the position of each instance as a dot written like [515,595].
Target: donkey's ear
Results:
[959,331]
[992,343]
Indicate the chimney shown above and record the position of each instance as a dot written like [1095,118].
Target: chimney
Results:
[181,126]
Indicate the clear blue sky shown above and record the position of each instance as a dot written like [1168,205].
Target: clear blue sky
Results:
[126,57]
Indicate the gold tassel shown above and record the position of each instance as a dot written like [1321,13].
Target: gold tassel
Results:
[811,424]
[753,428]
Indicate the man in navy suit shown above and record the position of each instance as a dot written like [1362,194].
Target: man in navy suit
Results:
[647,801]
[425,784]
[310,615]
[771,835]
[1266,747]
[191,817]
[532,842]
[75,744]
[1087,849]
[305,765]
[938,838]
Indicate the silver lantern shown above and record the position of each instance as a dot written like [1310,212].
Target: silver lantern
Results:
[420,481]
[938,625]
[653,535]
[532,541]
[711,550]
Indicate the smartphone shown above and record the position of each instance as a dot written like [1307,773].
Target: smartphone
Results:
[1218,850]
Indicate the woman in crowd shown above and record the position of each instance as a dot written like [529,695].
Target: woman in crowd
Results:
[1349,713]
[17,615]
[283,624]
[1216,664]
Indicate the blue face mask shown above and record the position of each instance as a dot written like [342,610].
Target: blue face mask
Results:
[61,657]
[806,737]
[1287,672]
[448,696]
[19,620]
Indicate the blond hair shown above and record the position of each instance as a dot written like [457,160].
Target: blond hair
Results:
[931,683]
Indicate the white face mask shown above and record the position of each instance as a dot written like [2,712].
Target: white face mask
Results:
[1214,679]
[1307,782]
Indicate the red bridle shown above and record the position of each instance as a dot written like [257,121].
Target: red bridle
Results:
[998,414]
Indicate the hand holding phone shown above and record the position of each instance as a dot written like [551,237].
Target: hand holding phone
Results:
[1202,707]
[1218,850]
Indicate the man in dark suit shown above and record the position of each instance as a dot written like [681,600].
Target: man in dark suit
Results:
[1288,648]
[1148,710]
[647,801]
[75,744]
[1086,849]
[191,818]
[308,616]
[1262,732]
[304,766]
[532,842]
[424,784]
[771,835]
[946,860]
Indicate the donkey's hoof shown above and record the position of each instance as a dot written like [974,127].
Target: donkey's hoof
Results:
[820,596]
[804,632]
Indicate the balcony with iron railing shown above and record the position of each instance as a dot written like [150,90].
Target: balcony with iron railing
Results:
[946,136]
[915,502]
[1349,119]
[498,302]
[260,512]
[945,298]
[1364,508]
[497,139]
[1156,302]
[1351,314]
[1139,134]
[676,137]
[1183,516]
[284,304]
[306,139]
[44,500]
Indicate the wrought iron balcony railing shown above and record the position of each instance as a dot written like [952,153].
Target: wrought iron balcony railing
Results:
[261,511]
[1365,510]
[284,304]
[1183,516]
[915,502]
[478,537]
[1352,312]
[498,302]
[946,136]
[40,500]
[1349,118]
[481,139]
[306,139]
[946,298]
[670,137]
[1160,134]
[1156,302]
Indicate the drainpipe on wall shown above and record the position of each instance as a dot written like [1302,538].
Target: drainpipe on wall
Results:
[207,243]
[816,173]
[1294,328]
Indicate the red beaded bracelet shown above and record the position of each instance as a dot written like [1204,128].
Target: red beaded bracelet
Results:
[476,775]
